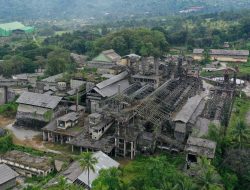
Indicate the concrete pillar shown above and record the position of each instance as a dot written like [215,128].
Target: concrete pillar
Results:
[61,139]
[80,149]
[72,148]
[5,94]
[124,149]
[44,138]
[132,151]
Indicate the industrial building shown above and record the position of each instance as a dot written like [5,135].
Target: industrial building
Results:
[223,55]
[7,29]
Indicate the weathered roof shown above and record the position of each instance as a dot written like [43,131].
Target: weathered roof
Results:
[6,174]
[188,109]
[72,116]
[112,80]
[79,108]
[107,56]
[229,52]
[223,52]
[201,127]
[38,162]
[53,78]
[39,100]
[112,55]
[198,51]
[73,172]
[104,162]
[201,147]
[105,144]
[110,86]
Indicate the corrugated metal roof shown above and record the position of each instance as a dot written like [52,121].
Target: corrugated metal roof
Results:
[39,100]
[12,26]
[229,52]
[112,80]
[188,109]
[112,89]
[73,172]
[104,162]
[6,174]
[223,52]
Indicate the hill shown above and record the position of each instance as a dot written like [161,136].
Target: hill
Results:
[58,9]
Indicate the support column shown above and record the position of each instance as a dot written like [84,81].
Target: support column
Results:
[44,138]
[72,148]
[81,149]
[124,149]
[61,139]
[5,89]
[132,151]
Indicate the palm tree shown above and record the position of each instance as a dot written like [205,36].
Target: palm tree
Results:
[205,175]
[240,133]
[87,162]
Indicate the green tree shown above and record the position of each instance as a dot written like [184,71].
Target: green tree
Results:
[205,175]
[87,162]
[108,179]
[240,134]
[58,62]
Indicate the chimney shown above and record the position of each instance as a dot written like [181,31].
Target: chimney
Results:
[77,101]
[156,66]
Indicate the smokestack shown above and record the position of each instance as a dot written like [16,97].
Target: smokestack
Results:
[77,102]
[156,66]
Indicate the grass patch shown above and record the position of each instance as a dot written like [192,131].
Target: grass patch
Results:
[240,109]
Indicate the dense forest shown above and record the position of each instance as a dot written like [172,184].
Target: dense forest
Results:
[35,9]
[144,37]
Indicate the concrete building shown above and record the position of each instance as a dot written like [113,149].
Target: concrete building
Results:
[63,129]
[7,177]
[98,125]
[223,55]
[198,147]
[37,109]
[106,89]
[26,164]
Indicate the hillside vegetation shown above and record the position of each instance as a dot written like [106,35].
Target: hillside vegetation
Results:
[35,9]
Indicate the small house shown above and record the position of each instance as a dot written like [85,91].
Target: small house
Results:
[199,147]
[68,120]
